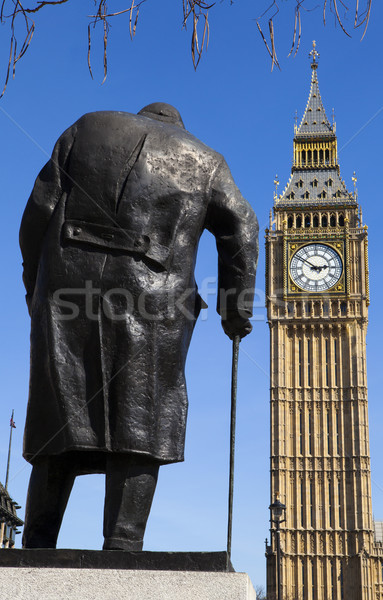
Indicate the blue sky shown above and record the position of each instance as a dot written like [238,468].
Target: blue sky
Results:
[237,106]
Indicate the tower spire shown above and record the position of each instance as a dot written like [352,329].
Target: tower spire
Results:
[315,176]
[314,119]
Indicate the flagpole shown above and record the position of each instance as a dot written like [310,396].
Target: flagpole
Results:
[9,450]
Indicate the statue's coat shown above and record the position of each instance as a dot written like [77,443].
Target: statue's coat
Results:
[121,205]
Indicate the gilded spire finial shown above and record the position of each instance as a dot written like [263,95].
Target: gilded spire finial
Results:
[314,54]
[354,180]
[276,183]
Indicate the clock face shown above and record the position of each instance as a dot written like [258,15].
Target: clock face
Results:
[316,267]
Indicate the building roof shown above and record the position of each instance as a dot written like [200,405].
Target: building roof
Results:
[315,186]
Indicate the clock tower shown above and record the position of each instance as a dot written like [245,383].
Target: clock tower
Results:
[317,292]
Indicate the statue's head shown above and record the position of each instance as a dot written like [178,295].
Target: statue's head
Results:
[162,112]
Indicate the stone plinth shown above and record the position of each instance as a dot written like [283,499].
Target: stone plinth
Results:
[25,583]
[120,575]
[116,559]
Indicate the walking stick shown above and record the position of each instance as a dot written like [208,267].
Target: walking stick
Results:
[234,374]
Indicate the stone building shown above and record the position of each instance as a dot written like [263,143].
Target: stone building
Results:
[317,290]
[9,521]
[378,529]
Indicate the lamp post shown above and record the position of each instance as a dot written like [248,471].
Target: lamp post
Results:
[277,516]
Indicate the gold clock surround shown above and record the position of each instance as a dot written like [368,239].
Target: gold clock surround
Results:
[293,245]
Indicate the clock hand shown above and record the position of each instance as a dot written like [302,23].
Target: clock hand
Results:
[306,261]
[313,267]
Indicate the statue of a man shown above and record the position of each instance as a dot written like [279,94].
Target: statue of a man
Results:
[109,240]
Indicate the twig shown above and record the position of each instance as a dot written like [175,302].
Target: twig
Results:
[338,17]
[106,31]
[195,11]
[297,23]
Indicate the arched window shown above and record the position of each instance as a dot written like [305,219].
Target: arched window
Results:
[321,157]
[329,183]
[307,221]
[306,195]
[309,157]
[341,220]
[315,156]
[332,221]
[327,156]
[298,222]
[292,195]
[324,221]
[290,222]
[315,183]
[316,221]
[303,157]
[300,183]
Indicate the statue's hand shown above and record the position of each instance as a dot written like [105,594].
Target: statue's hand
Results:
[236,326]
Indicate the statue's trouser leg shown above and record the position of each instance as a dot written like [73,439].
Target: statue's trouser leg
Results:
[49,488]
[130,487]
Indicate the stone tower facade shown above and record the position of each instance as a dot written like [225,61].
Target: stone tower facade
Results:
[317,290]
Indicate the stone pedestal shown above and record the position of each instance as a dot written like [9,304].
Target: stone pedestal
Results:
[120,575]
[112,584]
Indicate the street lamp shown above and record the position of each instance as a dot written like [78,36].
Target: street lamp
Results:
[277,516]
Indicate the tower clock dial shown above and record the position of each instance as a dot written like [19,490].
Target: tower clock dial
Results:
[316,267]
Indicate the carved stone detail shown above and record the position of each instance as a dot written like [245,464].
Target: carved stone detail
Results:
[312,543]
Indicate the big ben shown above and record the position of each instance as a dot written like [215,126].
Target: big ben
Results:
[317,290]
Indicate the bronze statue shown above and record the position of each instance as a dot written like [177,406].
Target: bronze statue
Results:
[109,240]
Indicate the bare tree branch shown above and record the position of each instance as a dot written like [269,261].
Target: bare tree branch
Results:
[272,51]
[360,19]
[195,12]
[297,24]
[333,3]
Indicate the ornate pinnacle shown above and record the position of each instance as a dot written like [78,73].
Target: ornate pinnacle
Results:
[276,183]
[314,54]
[354,180]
